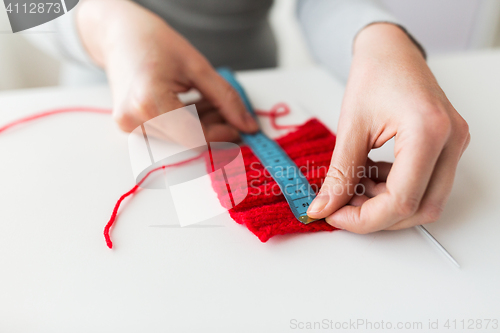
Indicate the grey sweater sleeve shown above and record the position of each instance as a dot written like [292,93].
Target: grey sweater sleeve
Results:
[330,27]
[60,38]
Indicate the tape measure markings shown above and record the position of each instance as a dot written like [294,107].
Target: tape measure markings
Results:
[293,184]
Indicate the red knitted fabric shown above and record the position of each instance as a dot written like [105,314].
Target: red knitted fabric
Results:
[265,211]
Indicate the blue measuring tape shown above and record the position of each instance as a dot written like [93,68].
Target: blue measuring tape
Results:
[293,184]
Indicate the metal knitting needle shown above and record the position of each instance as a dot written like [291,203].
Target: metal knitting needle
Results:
[438,245]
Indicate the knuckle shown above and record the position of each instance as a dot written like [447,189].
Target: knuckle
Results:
[362,230]
[436,124]
[145,109]
[337,175]
[462,130]
[406,206]
[199,67]
[124,121]
[432,212]
[467,141]
[463,127]
[364,226]
[142,106]
[230,95]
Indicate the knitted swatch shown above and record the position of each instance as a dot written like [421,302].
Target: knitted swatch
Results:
[265,211]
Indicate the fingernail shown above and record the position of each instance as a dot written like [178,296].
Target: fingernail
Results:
[319,203]
[251,122]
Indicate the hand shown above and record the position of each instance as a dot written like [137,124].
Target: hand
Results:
[391,93]
[148,64]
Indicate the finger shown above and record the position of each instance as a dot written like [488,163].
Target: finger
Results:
[166,117]
[220,93]
[466,145]
[438,191]
[203,106]
[416,157]
[212,117]
[125,120]
[349,155]
[371,188]
[358,200]
[377,171]
[139,105]
[217,132]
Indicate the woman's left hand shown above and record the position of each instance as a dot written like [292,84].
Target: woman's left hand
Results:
[391,92]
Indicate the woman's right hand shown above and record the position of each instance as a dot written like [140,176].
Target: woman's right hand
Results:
[148,64]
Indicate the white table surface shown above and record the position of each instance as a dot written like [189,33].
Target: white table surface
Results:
[61,177]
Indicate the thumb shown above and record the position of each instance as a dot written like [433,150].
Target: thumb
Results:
[220,93]
[346,168]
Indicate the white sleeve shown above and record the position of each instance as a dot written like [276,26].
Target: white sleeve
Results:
[330,27]
[60,38]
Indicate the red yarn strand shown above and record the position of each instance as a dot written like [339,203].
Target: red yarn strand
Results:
[278,110]
[134,189]
[52,112]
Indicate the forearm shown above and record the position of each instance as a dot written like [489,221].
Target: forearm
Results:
[383,50]
[386,41]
